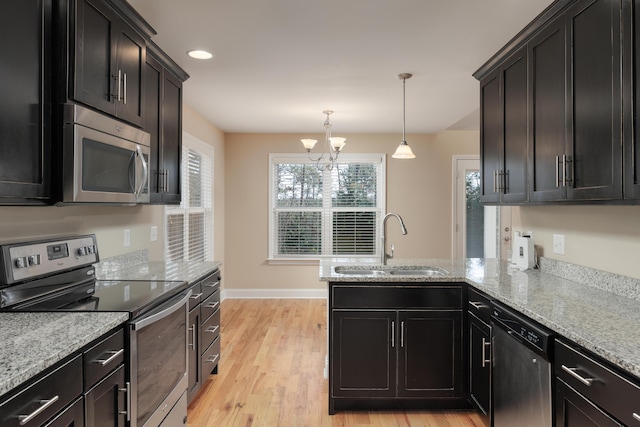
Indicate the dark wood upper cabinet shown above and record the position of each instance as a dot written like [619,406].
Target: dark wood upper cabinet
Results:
[547,115]
[504,132]
[631,67]
[594,153]
[25,116]
[566,73]
[163,121]
[108,62]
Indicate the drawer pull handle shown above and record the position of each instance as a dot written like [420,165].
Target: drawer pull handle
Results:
[114,356]
[477,305]
[24,419]
[636,417]
[196,296]
[393,334]
[215,357]
[212,329]
[214,305]
[212,285]
[485,344]
[574,374]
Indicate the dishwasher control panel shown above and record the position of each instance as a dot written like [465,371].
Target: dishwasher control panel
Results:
[516,324]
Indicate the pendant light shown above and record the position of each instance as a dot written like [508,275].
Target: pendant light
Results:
[332,146]
[403,151]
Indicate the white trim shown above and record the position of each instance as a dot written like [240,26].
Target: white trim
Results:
[274,294]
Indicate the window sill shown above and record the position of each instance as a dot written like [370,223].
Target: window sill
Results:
[293,261]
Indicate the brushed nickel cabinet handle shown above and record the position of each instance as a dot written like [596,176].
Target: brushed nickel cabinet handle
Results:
[24,419]
[393,334]
[196,296]
[477,305]
[124,90]
[636,417]
[212,329]
[574,374]
[193,336]
[215,357]
[485,344]
[214,305]
[114,355]
[127,411]
[402,334]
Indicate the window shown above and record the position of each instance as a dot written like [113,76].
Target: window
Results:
[316,213]
[189,227]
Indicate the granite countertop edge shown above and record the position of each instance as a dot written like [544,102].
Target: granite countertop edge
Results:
[598,320]
[33,342]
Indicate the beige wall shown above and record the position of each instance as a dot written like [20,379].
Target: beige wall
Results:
[109,222]
[602,237]
[419,190]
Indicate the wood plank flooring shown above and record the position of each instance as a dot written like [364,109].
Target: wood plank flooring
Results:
[271,374]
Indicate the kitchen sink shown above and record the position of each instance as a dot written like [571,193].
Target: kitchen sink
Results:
[373,271]
[431,271]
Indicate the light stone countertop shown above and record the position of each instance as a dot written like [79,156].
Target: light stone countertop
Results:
[189,271]
[599,320]
[33,342]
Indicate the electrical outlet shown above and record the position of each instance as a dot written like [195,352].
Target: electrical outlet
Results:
[558,244]
[127,238]
[154,233]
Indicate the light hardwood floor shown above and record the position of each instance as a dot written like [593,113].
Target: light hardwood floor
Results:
[271,373]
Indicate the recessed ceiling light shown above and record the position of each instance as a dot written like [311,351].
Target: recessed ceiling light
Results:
[200,54]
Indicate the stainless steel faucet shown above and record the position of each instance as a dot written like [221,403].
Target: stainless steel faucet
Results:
[385,256]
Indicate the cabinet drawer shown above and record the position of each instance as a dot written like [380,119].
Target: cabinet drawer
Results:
[607,389]
[196,295]
[210,284]
[210,329]
[210,305]
[480,305]
[398,296]
[48,396]
[102,358]
[210,359]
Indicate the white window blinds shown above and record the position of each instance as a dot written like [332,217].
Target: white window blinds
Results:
[189,227]
[318,213]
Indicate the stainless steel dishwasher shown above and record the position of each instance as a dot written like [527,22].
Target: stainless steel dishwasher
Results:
[521,371]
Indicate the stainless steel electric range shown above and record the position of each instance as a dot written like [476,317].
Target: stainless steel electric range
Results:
[59,275]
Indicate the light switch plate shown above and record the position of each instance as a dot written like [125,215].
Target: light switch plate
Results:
[558,244]
[127,237]
[154,233]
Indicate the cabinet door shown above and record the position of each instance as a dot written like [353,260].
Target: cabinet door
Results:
[548,123]
[96,72]
[430,355]
[595,101]
[131,57]
[631,92]
[574,410]
[105,403]
[171,137]
[193,354]
[24,107]
[479,365]
[152,122]
[490,138]
[513,181]
[363,353]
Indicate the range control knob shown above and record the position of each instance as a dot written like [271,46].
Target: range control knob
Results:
[34,260]
[21,262]
[82,251]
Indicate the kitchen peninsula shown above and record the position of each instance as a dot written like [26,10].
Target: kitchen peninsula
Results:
[595,310]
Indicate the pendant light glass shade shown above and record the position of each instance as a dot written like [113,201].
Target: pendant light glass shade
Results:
[403,151]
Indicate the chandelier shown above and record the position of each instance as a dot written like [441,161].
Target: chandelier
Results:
[403,151]
[331,148]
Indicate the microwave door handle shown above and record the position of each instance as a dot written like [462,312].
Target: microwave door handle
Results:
[145,170]
[132,173]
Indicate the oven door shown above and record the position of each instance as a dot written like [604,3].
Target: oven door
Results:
[158,362]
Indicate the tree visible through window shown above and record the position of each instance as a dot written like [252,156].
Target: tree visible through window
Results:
[326,213]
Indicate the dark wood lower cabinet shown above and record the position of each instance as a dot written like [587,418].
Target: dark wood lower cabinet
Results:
[480,365]
[105,403]
[574,410]
[396,347]
[73,416]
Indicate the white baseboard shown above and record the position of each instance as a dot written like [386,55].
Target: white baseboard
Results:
[273,294]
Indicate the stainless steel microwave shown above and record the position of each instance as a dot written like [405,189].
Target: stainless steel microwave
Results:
[103,159]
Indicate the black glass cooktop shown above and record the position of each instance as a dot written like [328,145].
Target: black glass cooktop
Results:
[133,296]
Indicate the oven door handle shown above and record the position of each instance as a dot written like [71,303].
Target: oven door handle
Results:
[164,311]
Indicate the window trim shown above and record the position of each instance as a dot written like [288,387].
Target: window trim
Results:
[206,150]
[275,158]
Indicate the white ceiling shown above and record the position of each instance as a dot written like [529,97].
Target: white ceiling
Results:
[279,63]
